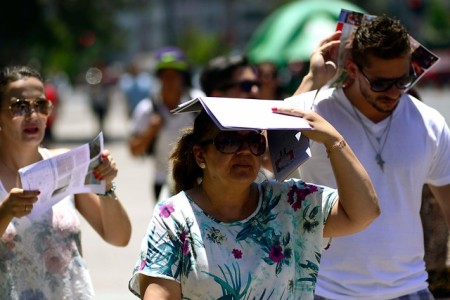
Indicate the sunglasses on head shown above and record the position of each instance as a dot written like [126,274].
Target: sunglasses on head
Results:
[383,85]
[229,142]
[22,107]
[245,85]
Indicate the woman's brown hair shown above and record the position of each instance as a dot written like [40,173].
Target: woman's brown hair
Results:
[185,171]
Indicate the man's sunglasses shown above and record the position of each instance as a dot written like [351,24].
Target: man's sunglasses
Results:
[246,85]
[229,142]
[22,107]
[383,85]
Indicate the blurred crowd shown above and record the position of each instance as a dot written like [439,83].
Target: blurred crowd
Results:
[138,78]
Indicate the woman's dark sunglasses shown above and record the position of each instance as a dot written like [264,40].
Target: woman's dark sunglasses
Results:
[383,85]
[22,107]
[246,85]
[229,142]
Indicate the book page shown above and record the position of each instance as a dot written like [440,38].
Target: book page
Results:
[422,59]
[244,114]
[288,150]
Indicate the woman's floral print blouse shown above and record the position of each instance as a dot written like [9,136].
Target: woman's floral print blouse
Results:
[273,254]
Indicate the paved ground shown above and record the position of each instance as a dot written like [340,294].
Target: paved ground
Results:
[110,266]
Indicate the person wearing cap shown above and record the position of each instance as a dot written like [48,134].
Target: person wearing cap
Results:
[153,128]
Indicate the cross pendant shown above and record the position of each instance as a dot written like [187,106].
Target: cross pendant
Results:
[380,161]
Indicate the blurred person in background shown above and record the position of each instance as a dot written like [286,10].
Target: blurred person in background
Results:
[294,73]
[154,130]
[270,87]
[230,76]
[136,85]
[41,257]
[100,80]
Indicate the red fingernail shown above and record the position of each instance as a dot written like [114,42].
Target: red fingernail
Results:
[104,155]
[38,192]
[274,109]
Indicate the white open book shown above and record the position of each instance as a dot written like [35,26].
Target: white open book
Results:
[288,148]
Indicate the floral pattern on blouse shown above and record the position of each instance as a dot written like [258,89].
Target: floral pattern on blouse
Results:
[273,254]
[41,259]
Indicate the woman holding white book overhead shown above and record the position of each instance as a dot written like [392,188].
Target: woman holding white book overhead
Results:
[224,236]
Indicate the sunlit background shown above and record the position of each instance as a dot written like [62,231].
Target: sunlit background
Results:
[71,36]
[84,47]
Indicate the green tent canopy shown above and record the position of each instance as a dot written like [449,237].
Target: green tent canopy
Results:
[291,32]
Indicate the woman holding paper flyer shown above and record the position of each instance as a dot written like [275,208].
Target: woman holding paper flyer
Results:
[40,257]
[225,236]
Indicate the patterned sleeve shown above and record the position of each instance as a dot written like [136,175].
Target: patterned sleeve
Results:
[324,196]
[329,199]
[160,248]
[317,197]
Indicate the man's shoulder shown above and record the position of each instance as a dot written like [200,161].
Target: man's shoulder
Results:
[331,100]
[309,99]
[328,94]
[413,105]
